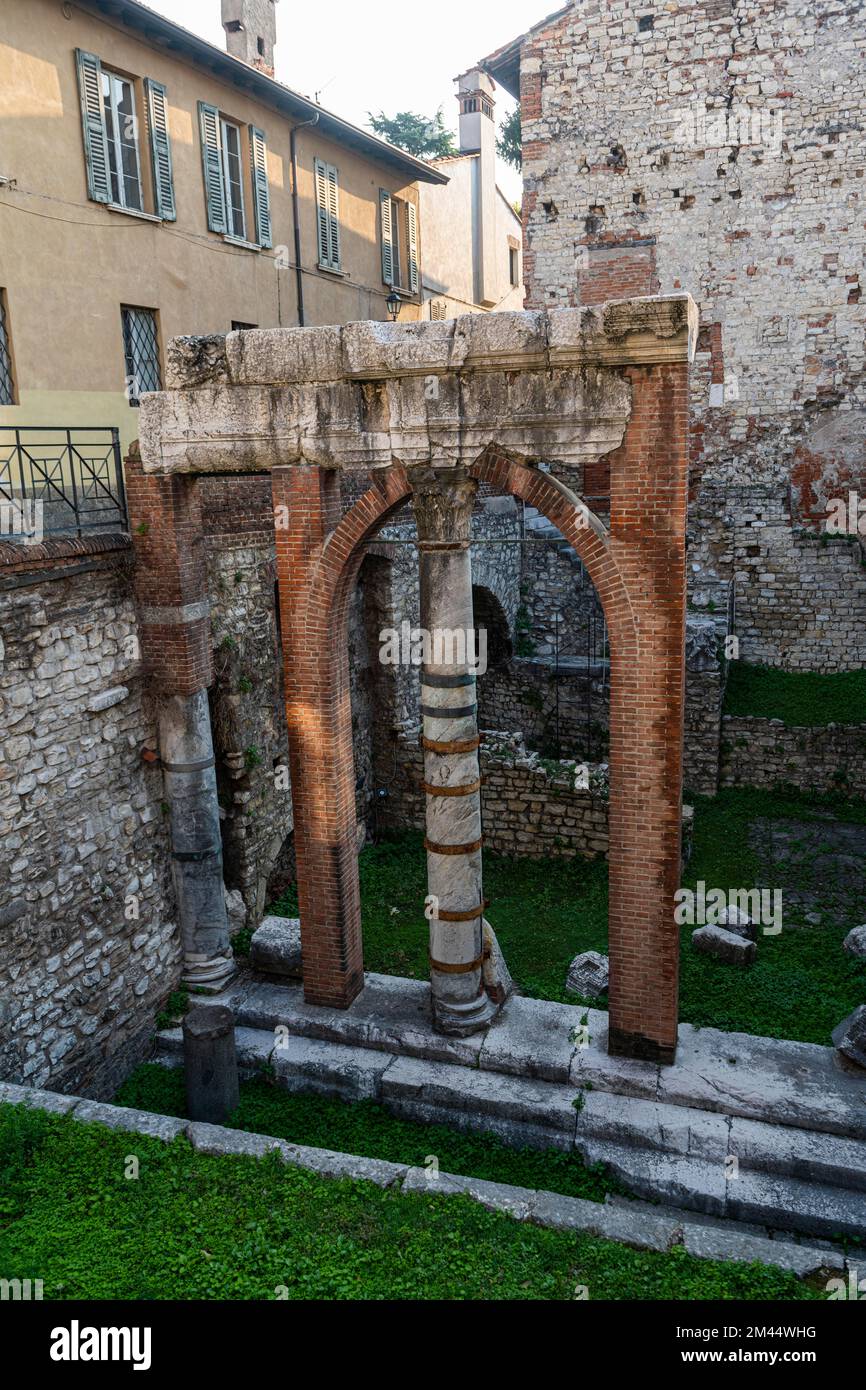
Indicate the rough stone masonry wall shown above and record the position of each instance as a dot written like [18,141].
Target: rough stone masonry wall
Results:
[767,753]
[247,712]
[719,147]
[530,808]
[87,939]
[799,598]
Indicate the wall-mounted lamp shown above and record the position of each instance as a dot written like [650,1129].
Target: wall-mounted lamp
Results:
[393,303]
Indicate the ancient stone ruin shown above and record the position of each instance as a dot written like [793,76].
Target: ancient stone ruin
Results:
[431,412]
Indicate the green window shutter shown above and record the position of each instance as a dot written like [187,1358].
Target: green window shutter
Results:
[213,168]
[261,194]
[323,224]
[160,149]
[93,124]
[387,237]
[412,242]
[334,217]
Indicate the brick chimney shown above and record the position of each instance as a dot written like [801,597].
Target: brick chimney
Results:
[251,32]
[478,132]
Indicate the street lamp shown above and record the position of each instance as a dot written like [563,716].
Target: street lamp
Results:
[393,303]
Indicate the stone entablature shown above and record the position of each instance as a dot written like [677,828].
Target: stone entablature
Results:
[545,385]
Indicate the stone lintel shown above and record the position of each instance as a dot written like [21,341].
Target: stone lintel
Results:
[656,328]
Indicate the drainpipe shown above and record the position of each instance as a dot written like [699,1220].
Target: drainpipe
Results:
[296,217]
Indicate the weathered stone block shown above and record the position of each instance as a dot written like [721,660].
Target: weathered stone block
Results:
[849,1037]
[588,975]
[276,946]
[724,945]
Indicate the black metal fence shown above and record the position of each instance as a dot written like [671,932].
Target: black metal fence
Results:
[60,482]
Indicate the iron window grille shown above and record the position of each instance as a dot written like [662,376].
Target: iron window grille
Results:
[7,384]
[63,481]
[141,353]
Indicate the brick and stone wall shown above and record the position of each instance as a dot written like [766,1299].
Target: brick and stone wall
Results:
[246,698]
[718,148]
[88,949]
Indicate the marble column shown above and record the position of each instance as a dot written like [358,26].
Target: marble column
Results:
[442,502]
[189,779]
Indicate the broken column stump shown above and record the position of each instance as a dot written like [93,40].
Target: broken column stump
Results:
[210,1063]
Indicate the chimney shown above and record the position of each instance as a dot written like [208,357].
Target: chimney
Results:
[251,32]
[478,133]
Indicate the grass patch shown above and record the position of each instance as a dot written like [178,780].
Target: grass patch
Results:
[799,698]
[197,1227]
[363,1127]
[546,911]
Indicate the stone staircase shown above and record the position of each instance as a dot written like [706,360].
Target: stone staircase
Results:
[752,1130]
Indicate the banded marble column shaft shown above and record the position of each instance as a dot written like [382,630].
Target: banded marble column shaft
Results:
[189,778]
[442,502]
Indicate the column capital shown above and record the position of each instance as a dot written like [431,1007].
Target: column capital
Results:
[442,500]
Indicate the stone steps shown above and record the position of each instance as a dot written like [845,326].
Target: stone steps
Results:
[785,1178]
[774,1201]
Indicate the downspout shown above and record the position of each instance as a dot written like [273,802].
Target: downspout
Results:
[296,216]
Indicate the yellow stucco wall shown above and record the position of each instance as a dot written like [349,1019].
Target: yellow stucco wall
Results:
[67,264]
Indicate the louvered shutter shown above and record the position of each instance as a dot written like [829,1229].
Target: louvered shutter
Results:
[323,222]
[160,150]
[213,168]
[93,124]
[261,194]
[387,237]
[412,242]
[334,217]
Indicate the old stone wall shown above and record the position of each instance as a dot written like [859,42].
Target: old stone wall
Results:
[561,711]
[719,147]
[530,806]
[798,597]
[247,711]
[88,949]
[767,753]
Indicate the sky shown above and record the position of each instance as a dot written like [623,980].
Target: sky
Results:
[381,55]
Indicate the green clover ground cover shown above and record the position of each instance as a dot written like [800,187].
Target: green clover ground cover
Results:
[546,911]
[363,1127]
[197,1227]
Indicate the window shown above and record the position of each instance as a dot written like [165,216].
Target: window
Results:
[399,229]
[233,178]
[112,120]
[234,166]
[141,352]
[121,124]
[328,215]
[7,381]
[514,264]
[237,326]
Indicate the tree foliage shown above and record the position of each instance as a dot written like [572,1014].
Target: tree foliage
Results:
[508,142]
[417,135]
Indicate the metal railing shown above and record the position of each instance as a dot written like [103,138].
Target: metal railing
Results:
[60,482]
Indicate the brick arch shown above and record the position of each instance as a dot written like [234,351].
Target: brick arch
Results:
[584,532]
[638,569]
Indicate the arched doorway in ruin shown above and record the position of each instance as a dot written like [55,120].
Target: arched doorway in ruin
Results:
[321,737]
